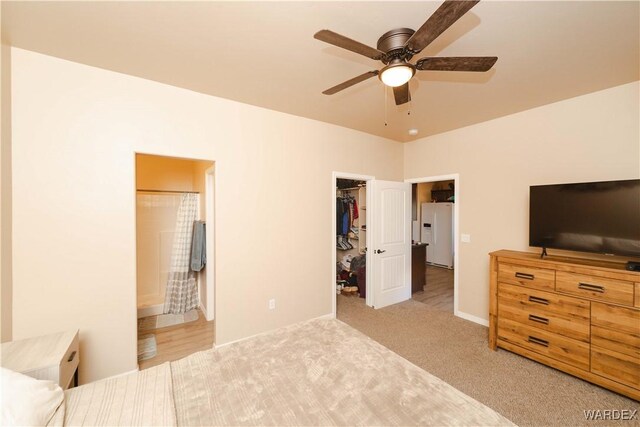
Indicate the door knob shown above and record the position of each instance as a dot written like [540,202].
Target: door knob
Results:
[380,251]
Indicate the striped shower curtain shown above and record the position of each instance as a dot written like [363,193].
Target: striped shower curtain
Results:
[182,288]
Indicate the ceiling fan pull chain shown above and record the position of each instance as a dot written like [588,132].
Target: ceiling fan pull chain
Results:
[384,87]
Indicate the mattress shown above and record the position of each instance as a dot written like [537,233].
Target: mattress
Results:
[321,372]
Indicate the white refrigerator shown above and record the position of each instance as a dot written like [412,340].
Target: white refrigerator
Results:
[436,229]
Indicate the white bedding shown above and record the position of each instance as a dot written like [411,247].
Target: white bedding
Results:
[142,398]
[320,372]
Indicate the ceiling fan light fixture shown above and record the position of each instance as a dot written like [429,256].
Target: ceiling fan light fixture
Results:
[397,73]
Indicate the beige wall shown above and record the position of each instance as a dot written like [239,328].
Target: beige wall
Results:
[75,132]
[588,138]
[6,290]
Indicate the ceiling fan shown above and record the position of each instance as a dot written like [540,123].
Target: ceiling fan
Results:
[396,48]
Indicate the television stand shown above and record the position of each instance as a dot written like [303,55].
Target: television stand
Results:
[633,266]
[544,253]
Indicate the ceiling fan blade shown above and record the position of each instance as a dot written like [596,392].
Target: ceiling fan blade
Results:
[401,94]
[348,83]
[448,13]
[463,63]
[336,39]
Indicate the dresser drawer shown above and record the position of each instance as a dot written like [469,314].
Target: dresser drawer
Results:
[616,328]
[69,363]
[532,277]
[551,312]
[616,366]
[597,288]
[567,350]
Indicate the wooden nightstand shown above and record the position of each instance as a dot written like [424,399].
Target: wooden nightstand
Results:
[52,357]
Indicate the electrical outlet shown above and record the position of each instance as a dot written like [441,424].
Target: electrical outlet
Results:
[272,304]
[466,238]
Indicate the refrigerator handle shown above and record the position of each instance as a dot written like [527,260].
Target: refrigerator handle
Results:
[434,228]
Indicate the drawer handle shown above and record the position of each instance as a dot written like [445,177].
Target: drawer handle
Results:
[525,276]
[538,341]
[590,287]
[538,319]
[539,300]
[71,356]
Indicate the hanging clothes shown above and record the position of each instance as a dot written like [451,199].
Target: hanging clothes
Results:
[340,211]
[346,214]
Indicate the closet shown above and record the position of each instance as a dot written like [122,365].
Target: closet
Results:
[351,237]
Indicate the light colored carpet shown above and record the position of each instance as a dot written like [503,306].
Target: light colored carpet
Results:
[146,347]
[456,350]
[320,372]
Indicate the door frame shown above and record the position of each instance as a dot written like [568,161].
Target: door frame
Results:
[456,230]
[334,259]
[210,188]
[210,217]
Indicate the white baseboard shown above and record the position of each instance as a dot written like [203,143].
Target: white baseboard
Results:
[472,318]
[203,310]
[151,310]
[324,316]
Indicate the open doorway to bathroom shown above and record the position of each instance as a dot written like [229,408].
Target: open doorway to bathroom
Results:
[174,257]
[433,235]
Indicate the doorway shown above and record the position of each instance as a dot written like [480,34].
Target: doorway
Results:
[351,239]
[349,191]
[388,264]
[435,212]
[174,257]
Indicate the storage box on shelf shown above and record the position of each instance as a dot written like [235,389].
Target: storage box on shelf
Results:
[579,316]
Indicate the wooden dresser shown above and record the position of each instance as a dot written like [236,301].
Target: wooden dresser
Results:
[576,315]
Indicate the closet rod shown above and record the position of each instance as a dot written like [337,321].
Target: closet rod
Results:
[168,191]
[350,189]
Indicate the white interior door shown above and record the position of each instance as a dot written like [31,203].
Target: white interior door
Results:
[391,245]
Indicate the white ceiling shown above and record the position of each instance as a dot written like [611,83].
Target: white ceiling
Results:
[264,53]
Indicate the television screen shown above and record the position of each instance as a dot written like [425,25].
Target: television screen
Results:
[602,217]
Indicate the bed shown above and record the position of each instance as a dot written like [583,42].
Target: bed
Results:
[320,372]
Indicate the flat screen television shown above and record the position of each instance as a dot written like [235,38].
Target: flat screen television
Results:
[600,217]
